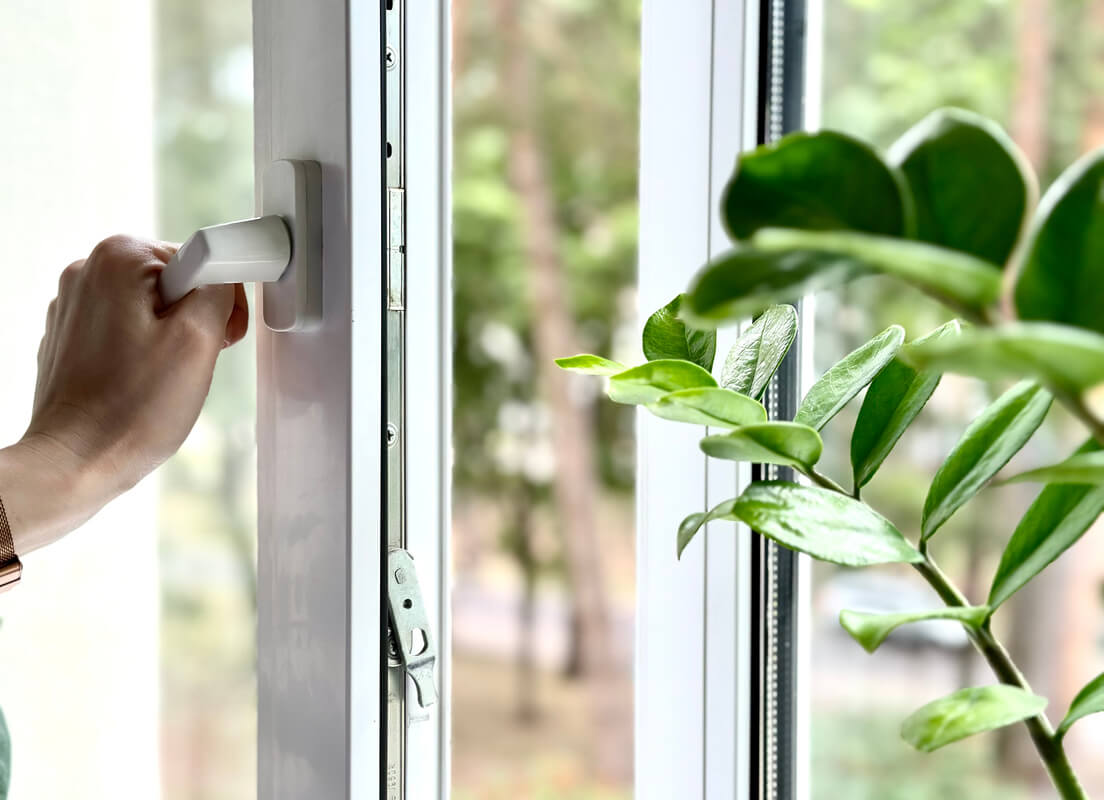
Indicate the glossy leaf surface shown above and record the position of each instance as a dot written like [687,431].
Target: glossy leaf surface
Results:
[1053,523]
[948,275]
[743,282]
[988,443]
[1068,358]
[693,523]
[847,377]
[713,406]
[870,630]
[649,382]
[895,398]
[968,712]
[972,187]
[823,524]
[590,365]
[815,181]
[759,351]
[1089,700]
[1083,468]
[786,443]
[667,336]
[1061,279]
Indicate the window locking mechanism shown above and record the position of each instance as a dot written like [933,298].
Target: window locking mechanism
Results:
[410,625]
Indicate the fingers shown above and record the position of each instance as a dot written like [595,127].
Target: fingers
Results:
[238,323]
[203,316]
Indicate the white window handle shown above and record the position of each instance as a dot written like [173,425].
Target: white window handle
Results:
[280,250]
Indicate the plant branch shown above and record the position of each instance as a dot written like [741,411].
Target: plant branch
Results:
[1046,743]
[1048,746]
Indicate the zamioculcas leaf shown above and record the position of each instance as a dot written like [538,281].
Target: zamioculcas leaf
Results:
[785,443]
[649,382]
[981,214]
[989,442]
[870,630]
[1061,279]
[1054,522]
[743,282]
[590,365]
[1068,358]
[892,402]
[712,406]
[817,181]
[693,523]
[755,357]
[823,524]
[955,278]
[969,711]
[1083,468]
[667,336]
[1089,700]
[847,377]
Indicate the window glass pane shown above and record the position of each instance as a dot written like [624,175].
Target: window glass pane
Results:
[126,663]
[544,193]
[1034,66]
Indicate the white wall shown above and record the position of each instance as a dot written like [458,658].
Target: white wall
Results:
[79,639]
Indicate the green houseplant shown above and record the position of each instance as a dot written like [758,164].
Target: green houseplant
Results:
[951,210]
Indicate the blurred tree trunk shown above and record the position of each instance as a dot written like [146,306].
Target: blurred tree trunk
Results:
[522,534]
[1029,100]
[572,428]
[1092,130]
[1033,609]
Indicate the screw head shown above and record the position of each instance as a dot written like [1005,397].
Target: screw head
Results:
[390,58]
[392,433]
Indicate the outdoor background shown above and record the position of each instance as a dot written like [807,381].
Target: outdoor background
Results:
[545,130]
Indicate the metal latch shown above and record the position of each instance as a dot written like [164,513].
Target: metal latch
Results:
[410,625]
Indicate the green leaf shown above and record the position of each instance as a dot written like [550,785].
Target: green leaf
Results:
[785,443]
[823,524]
[870,630]
[722,408]
[667,336]
[1067,358]
[590,365]
[1061,279]
[988,444]
[892,402]
[815,181]
[1089,700]
[1084,468]
[1059,517]
[847,377]
[743,282]
[971,185]
[693,523]
[955,278]
[969,711]
[759,351]
[649,382]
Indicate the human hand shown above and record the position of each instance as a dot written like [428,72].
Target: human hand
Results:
[121,380]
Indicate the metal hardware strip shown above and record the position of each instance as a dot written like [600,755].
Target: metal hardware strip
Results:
[774,569]
[395,134]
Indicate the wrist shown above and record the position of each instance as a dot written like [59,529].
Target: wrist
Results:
[47,491]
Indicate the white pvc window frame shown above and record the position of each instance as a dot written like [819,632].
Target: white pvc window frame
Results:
[321,620]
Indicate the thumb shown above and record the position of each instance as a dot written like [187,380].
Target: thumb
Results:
[206,312]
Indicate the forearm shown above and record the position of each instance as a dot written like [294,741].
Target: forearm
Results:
[45,491]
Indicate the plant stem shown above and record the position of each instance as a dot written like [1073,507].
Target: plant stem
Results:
[1048,746]
[1042,734]
[825,482]
[1075,403]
